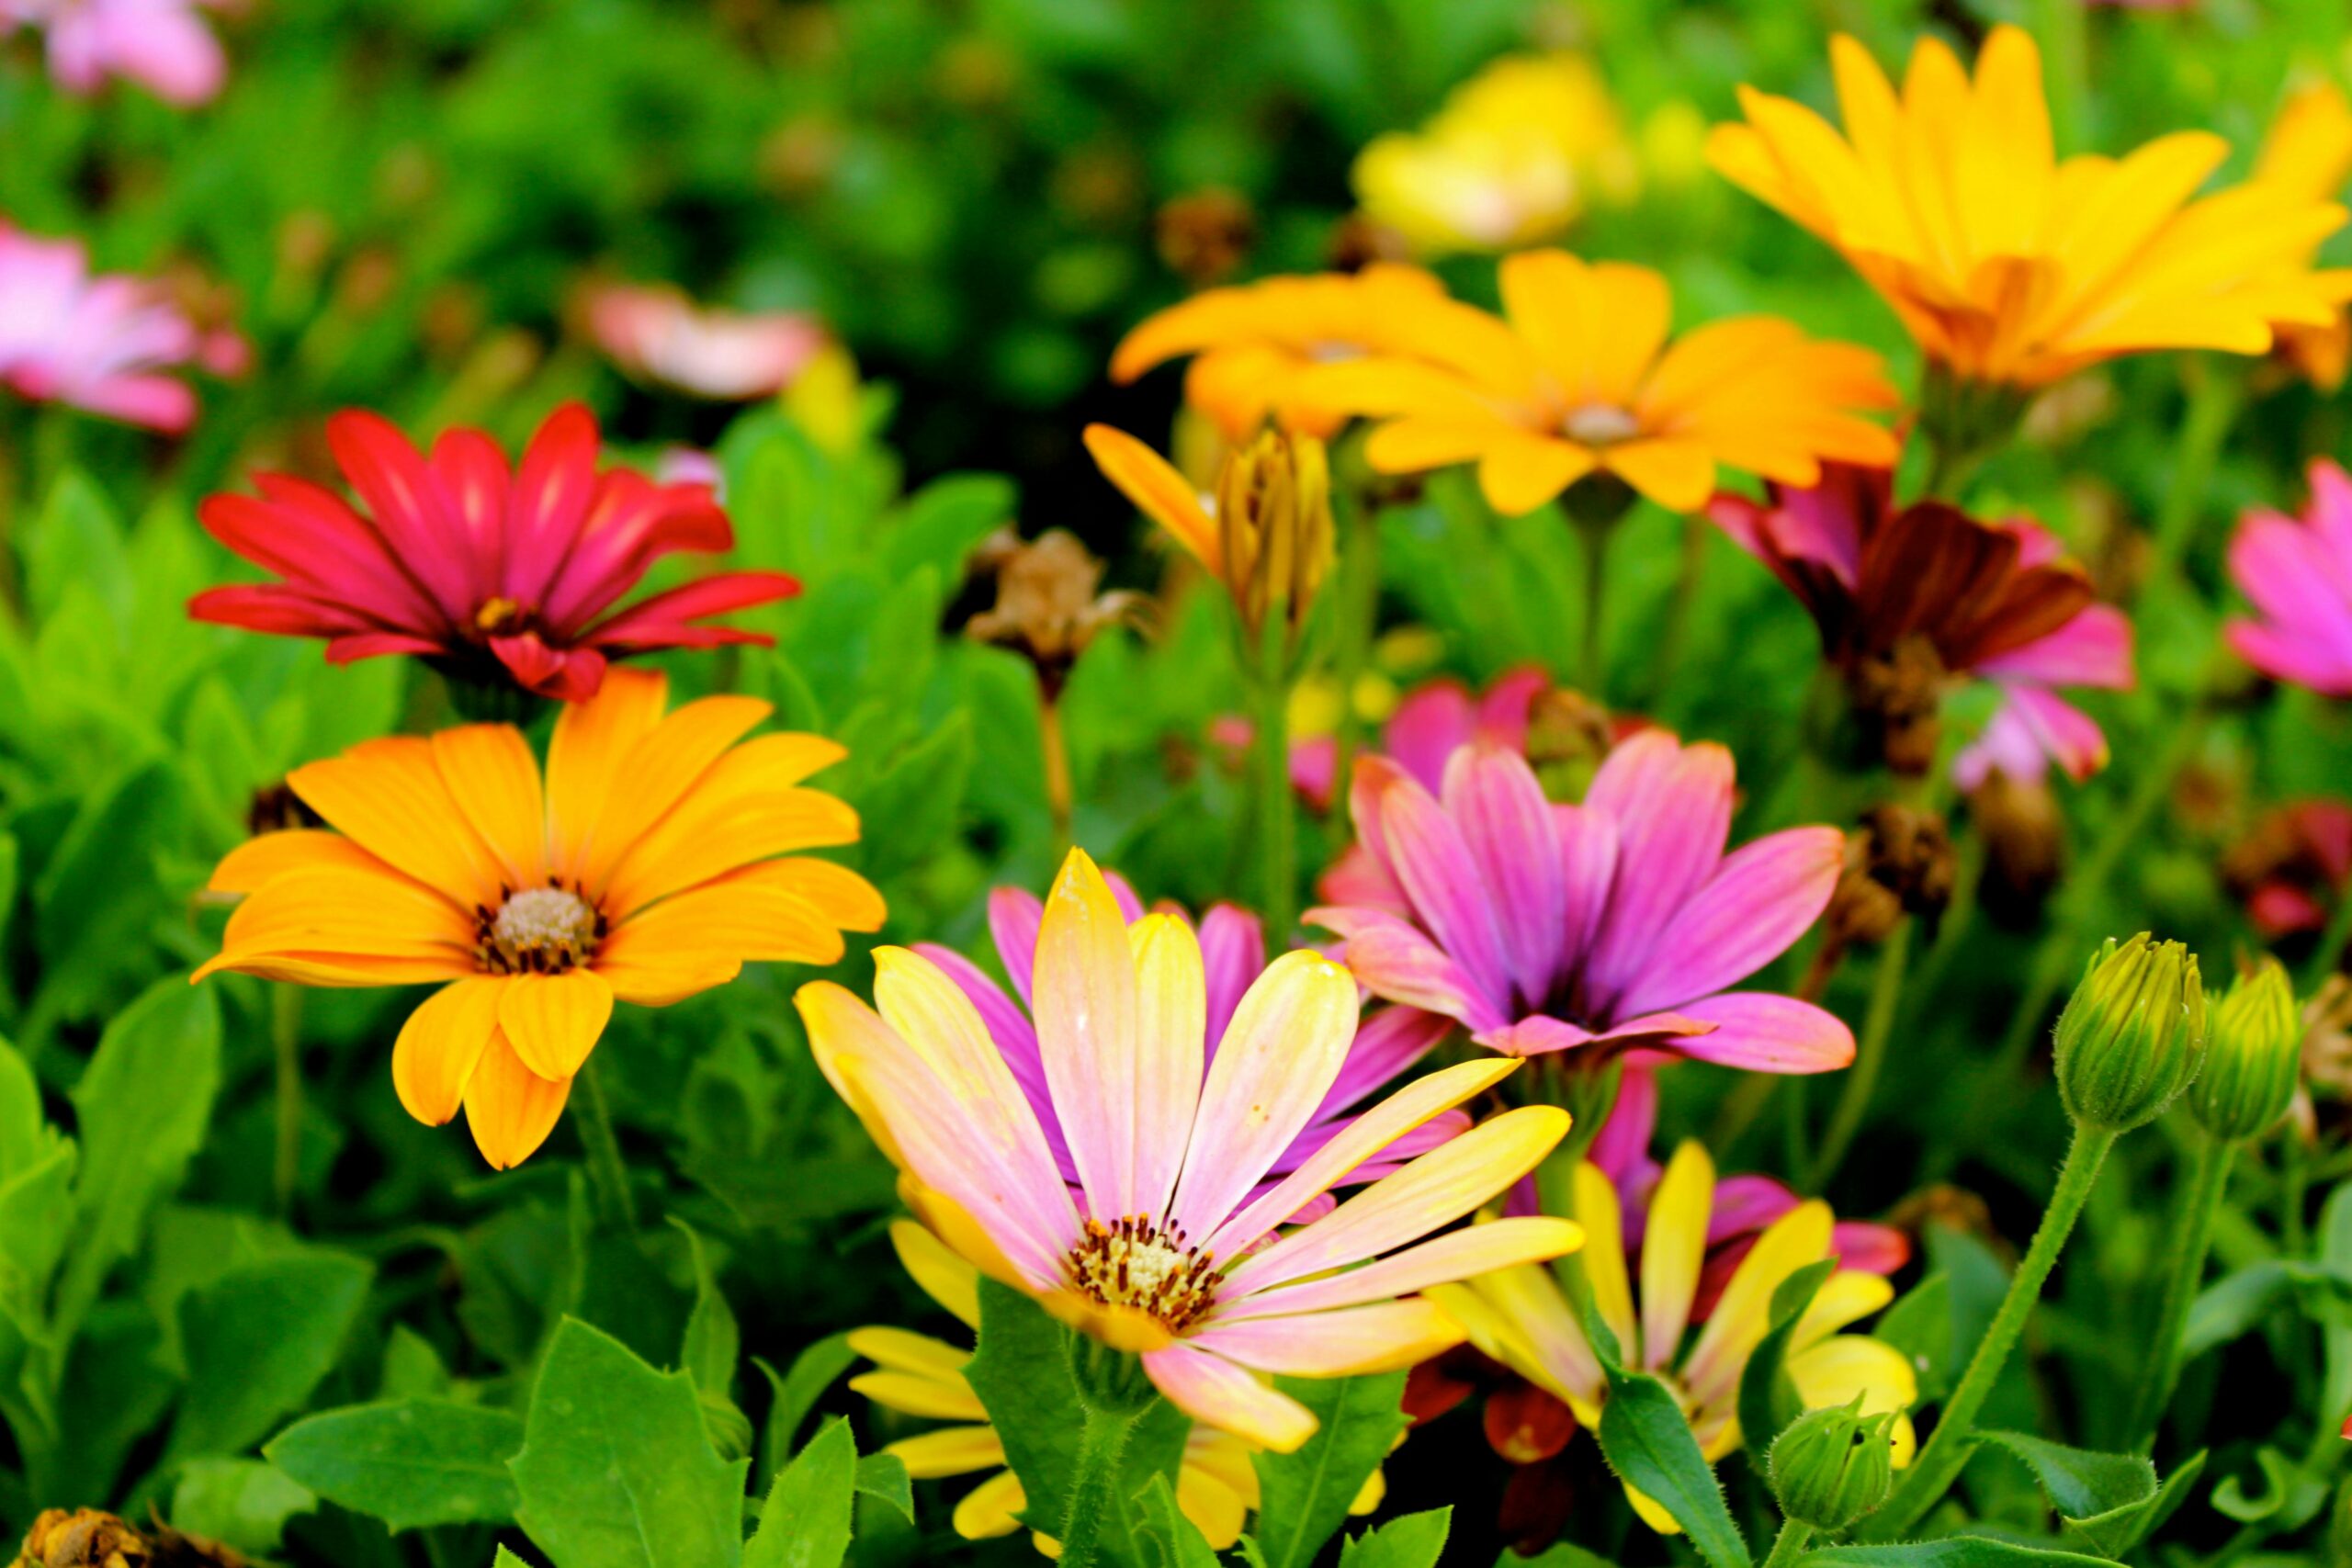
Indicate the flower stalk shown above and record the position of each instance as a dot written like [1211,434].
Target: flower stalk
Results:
[2191,1239]
[607,1172]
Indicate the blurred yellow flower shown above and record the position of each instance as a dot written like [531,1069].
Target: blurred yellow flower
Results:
[827,400]
[2009,266]
[1580,379]
[2309,152]
[1511,160]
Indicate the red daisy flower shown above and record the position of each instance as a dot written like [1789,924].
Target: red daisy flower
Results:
[493,575]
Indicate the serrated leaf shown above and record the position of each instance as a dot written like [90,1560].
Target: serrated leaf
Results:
[1952,1551]
[616,1469]
[1768,1398]
[1648,1443]
[1562,1555]
[1304,1495]
[1416,1541]
[2080,1481]
[712,1344]
[796,1392]
[806,1523]
[2119,1530]
[258,1339]
[410,1462]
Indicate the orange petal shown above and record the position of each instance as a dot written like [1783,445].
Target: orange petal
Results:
[591,739]
[834,891]
[434,1059]
[268,855]
[495,780]
[1677,475]
[660,768]
[730,822]
[554,1021]
[1159,492]
[510,1109]
[389,796]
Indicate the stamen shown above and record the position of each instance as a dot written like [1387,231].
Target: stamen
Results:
[1600,424]
[1135,1262]
[499,616]
[540,931]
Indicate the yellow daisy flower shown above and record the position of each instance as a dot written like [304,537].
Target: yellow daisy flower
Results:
[2010,266]
[654,860]
[2309,151]
[1522,1317]
[1580,379]
[916,1374]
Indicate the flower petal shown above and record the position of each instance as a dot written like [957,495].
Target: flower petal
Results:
[1214,1391]
[554,1021]
[434,1059]
[510,1109]
[1087,1018]
[1762,898]
[1343,1342]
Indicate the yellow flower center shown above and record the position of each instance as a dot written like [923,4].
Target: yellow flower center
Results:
[1600,424]
[540,931]
[500,616]
[1134,1262]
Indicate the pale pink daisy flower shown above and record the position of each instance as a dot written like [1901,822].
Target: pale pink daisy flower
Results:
[1162,1250]
[101,343]
[162,45]
[657,334]
[1617,924]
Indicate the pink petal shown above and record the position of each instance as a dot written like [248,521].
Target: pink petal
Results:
[552,488]
[1767,1035]
[1397,961]
[2092,650]
[1506,825]
[1233,952]
[1623,1145]
[1218,1393]
[405,502]
[1013,916]
[569,675]
[2285,657]
[1426,729]
[648,621]
[1016,1041]
[1672,807]
[1765,895]
[1433,863]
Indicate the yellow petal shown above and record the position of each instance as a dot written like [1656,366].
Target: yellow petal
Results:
[914,1393]
[433,1060]
[951,1450]
[1084,997]
[660,768]
[389,796]
[554,1021]
[1171,1044]
[1159,492]
[944,1277]
[991,1508]
[495,781]
[1674,1246]
[269,855]
[590,741]
[510,1109]
[1602,1257]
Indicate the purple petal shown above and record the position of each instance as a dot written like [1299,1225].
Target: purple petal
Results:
[1013,916]
[1508,828]
[1623,1145]
[1394,961]
[2092,650]
[1767,1035]
[1587,871]
[1672,807]
[1426,729]
[1764,897]
[1233,953]
[1434,865]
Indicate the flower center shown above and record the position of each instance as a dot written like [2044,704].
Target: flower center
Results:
[1132,1262]
[500,616]
[1600,424]
[540,931]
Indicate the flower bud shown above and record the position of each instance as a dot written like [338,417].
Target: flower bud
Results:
[2132,1035]
[1831,1467]
[2253,1060]
[1273,517]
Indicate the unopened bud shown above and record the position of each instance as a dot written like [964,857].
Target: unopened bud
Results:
[2251,1065]
[1273,517]
[2132,1035]
[1831,1467]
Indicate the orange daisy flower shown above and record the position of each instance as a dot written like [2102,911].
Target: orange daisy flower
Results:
[654,860]
[1582,380]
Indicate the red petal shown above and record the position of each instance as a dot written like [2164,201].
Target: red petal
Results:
[715,595]
[406,503]
[549,501]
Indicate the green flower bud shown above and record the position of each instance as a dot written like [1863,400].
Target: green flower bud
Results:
[1831,1467]
[2132,1035]
[2254,1058]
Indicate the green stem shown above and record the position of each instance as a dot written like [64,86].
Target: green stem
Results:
[2328,957]
[2215,394]
[2191,1238]
[1054,750]
[1276,818]
[1869,1057]
[1101,1444]
[608,1172]
[286,1040]
[1359,610]
[1668,654]
[1592,655]
[1788,1547]
[1939,1463]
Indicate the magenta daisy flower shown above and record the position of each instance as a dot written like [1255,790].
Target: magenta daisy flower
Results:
[2298,572]
[105,343]
[1616,924]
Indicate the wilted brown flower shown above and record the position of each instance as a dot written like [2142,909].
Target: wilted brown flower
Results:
[86,1538]
[1899,860]
[1047,606]
[1205,235]
[2025,845]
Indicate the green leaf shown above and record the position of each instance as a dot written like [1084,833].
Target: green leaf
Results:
[1417,1541]
[240,1501]
[884,1478]
[2117,1531]
[1304,1495]
[506,1559]
[806,1523]
[916,801]
[1169,1540]
[1768,1399]
[616,1469]
[1648,1443]
[1952,1551]
[410,1462]
[796,1392]
[140,1109]
[1562,1555]
[712,1344]
[37,1166]
[2288,1494]
[2249,1298]
[2080,1482]
[258,1340]
[1919,1325]
[939,526]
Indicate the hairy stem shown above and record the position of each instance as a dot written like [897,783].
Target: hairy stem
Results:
[2191,1238]
[1101,1444]
[1869,1057]
[1788,1547]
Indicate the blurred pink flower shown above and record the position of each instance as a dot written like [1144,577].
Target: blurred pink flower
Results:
[1233,954]
[657,334]
[1615,924]
[2298,572]
[162,45]
[1910,601]
[99,343]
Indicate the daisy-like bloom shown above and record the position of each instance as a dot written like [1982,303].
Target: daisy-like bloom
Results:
[1511,160]
[1911,603]
[1616,924]
[657,858]
[105,343]
[497,575]
[1232,943]
[1256,348]
[2009,266]
[916,1374]
[1162,1250]
[656,333]
[2309,151]
[1522,1318]
[162,45]
[1581,380]
[2298,573]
